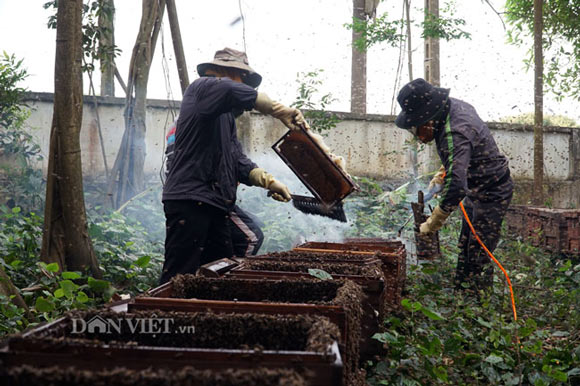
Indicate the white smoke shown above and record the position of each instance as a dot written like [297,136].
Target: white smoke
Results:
[282,221]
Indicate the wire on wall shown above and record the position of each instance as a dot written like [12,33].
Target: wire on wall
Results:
[243,26]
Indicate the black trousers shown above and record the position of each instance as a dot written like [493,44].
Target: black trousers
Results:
[474,266]
[196,234]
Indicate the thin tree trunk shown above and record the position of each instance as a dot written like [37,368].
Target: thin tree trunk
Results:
[65,237]
[127,176]
[8,289]
[177,45]
[106,45]
[413,148]
[432,67]
[120,80]
[409,47]
[358,85]
[538,193]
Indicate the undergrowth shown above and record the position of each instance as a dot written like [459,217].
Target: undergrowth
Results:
[443,336]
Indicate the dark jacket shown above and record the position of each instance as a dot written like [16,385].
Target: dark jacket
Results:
[474,166]
[207,160]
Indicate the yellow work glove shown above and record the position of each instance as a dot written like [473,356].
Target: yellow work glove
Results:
[435,221]
[292,118]
[437,178]
[259,177]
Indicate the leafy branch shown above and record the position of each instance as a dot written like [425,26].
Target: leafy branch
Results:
[383,30]
[93,40]
[308,89]
[561,42]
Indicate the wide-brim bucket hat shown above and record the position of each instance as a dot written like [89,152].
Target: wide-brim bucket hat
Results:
[420,102]
[230,58]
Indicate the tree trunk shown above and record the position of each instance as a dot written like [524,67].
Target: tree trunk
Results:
[106,45]
[127,176]
[358,85]
[177,45]
[538,192]
[409,46]
[414,148]
[432,69]
[65,238]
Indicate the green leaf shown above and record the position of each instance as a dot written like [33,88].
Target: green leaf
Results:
[566,266]
[510,379]
[143,261]
[385,337]
[59,293]
[16,209]
[441,373]
[483,322]
[44,305]
[493,359]
[431,314]
[412,307]
[429,269]
[52,267]
[82,297]
[574,371]
[71,275]
[559,376]
[452,345]
[471,358]
[319,274]
[68,288]
[98,285]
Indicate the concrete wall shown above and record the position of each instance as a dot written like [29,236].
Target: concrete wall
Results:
[371,144]
[110,115]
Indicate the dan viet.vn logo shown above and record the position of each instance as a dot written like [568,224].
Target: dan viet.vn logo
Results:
[151,325]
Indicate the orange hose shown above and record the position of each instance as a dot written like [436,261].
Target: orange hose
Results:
[493,258]
[490,255]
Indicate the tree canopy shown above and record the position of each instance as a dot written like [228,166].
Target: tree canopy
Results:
[561,41]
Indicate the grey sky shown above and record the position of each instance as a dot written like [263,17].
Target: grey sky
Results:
[287,37]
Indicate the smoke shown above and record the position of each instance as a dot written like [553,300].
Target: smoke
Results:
[283,225]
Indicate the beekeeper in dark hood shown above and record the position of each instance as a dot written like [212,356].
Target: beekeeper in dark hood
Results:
[473,171]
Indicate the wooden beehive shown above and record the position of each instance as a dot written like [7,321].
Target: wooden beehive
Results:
[26,375]
[554,230]
[391,254]
[339,301]
[306,344]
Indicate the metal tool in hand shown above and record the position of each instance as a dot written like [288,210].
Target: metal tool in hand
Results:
[311,205]
[430,194]
[434,190]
